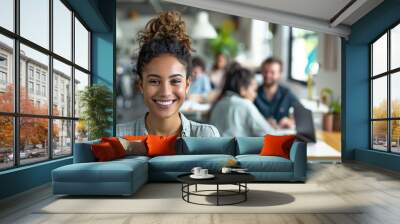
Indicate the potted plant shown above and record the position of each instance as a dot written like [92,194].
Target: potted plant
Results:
[96,102]
[331,119]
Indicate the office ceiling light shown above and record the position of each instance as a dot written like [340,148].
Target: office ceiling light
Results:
[202,28]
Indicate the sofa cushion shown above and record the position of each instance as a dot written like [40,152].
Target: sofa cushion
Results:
[185,163]
[277,145]
[249,145]
[203,145]
[134,147]
[131,158]
[83,152]
[112,171]
[257,163]
[103,152]
[161,145]
[116,145]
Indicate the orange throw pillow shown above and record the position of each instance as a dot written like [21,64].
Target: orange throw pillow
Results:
[103,152]
[277,145]
[161,145]
[135,137]
[116,145]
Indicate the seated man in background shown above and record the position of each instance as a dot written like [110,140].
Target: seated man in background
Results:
[274,100]
[201,85]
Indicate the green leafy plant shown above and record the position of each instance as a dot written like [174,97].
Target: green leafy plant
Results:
[225,43]
[96,102]
[336,107]
[326,97]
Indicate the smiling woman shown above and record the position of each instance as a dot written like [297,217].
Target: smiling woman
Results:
[163,67]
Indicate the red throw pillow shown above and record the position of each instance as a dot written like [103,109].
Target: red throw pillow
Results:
[135,137]
[103,152]
[161,145]
[116,145]
[277,145]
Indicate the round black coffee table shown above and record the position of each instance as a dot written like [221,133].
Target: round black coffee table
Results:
[238,179]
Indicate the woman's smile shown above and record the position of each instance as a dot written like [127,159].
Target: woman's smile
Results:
[164,104]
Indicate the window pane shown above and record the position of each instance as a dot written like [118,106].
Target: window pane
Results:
[379,56]
[62,138]
[81,81]
[62,29]
[81,45]
[304,54]
[7,14]
[35,21]
[33,140]
[379,135]
[6,142]
[6,74]
[62,89]
[395,47]
[34,80]
[379,97]
[81,131]
[395,94]
[395,138]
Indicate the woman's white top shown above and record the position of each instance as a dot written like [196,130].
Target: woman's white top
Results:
[236,116]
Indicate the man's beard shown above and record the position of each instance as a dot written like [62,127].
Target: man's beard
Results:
[269,84]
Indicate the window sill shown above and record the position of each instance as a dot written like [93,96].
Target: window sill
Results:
[26,167]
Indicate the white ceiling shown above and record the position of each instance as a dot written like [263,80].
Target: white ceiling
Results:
[317,15]
[321,9]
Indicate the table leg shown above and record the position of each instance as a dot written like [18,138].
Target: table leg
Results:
[188,190]
[217,194]
[245,193]
[182,190]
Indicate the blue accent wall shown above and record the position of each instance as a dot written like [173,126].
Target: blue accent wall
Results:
[24,178]
[99,16]
[355,76]
[103,53]
[102,58]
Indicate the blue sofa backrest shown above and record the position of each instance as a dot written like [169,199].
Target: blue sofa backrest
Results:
[190,146]
[206,145]
[249,145]
[83,152]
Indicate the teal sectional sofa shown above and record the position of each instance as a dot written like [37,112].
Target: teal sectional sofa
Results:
[125,176]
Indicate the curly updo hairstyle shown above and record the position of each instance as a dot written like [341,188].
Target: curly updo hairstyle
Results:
[164,34]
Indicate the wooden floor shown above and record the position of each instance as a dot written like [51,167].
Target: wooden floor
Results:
[380,190]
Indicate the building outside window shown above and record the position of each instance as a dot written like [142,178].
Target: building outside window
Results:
[43,90]
[3,78]
[44,77]
[38,89]
[30,87]
[57,134]
[3,71]
[37,75]
[30,72]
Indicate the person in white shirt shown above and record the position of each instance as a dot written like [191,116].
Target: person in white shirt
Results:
[234,113]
